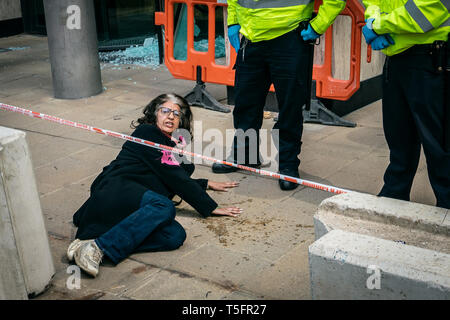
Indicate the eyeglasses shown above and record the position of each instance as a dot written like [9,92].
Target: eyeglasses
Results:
[167,111]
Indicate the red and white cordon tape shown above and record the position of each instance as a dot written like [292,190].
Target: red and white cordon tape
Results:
[158,146]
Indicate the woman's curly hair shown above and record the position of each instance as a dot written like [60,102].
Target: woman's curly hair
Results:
[150,111]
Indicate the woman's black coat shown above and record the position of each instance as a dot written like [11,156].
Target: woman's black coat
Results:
[117,191]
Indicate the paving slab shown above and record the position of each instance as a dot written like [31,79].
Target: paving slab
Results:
[58,209]
[167,285]
[261,230]
[30,98]
[64,172]
[369,182]
[286,278]
[369,116]
[112,283]
[60,148]
[22,85]
[110,72]
[152,75]
[180,86]
[222,266]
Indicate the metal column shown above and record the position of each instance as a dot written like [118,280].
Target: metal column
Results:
[73,46]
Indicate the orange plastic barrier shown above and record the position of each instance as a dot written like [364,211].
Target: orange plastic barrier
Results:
[326,86]
[187,69]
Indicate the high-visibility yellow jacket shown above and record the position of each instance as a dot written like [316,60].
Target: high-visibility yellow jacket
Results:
[267,19]
[409,22]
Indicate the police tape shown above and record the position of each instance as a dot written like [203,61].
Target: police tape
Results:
[158,146]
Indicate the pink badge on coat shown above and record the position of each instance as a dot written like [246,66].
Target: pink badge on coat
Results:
[168,157]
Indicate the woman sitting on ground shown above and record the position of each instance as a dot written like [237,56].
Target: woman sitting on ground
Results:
[130,208]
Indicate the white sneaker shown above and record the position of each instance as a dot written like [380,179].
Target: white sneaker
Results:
[73,247]
[88,257]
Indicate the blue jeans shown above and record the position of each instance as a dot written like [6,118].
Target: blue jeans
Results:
[151,228]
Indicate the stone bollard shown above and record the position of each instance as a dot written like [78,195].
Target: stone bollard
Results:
[26,264]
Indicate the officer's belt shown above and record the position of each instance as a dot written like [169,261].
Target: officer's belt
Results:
[426,49]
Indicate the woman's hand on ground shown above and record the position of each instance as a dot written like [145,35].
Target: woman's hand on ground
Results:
[230,211]
[222,186]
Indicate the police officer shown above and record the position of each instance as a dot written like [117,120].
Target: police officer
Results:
[414,36]
[272,50]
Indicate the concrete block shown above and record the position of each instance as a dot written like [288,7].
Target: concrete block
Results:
[412,223]
[26,261]
[346,265]
[402,213]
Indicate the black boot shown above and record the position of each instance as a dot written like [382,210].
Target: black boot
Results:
[223,168]
[287,185]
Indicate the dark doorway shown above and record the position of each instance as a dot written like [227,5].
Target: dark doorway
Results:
[33,16]
[120,23]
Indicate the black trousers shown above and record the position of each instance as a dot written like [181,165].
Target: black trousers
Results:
[282,61]
[414,106]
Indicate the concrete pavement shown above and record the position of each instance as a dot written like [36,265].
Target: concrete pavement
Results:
[261,255]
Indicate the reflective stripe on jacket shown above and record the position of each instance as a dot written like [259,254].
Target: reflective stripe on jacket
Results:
[409,22]
[268,19]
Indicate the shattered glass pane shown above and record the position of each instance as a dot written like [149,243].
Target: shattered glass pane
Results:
[146,55]
[17,48]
